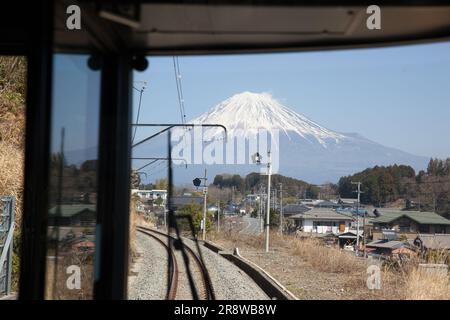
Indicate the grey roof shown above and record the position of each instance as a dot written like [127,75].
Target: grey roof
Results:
[350,234]
[321,214]
[69,210]
[394,244]
[327,203]
[435,241]
[294,209]
[421,217]
[184,200]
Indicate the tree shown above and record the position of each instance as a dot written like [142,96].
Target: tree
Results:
[193,211]
[161,184]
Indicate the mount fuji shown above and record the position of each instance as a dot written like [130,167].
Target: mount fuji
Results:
[306,150]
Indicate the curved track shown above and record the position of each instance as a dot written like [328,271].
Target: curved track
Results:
[190,258]
[173,266]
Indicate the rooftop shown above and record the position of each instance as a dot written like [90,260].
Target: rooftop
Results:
[435,241]
[321,214]
[394,244]
[295,209]
[69,210]
[421,217]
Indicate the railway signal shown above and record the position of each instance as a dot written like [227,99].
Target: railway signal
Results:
[197,183]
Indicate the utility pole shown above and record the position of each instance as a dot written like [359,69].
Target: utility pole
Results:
[269,172]
[205,192]
[260,208]
[218,216]
[357,216]
[281,208]
[261,215]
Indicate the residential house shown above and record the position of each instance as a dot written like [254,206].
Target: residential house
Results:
[430,242]
[293,209]
[322,220]
[72,215]
[394,249]
[409,223]
[71,219]
[310,202]
[349,238]
[151,195]
[180,201]
[327,204]
[347,202]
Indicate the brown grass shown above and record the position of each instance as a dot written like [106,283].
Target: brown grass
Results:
[11,175]
[397,282]
[421,285]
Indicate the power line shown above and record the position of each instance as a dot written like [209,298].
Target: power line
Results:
[181,90]
[141,91]
[176,68]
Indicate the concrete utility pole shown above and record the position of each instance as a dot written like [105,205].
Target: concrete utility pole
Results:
[261,216]
[205,192]
[357,215]
[281,208]
[260,208]
[269,173]
[218,216]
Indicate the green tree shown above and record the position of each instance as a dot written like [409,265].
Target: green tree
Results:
[195,212]
[161,184]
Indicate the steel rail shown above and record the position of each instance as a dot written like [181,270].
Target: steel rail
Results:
[173,266]
[208,293]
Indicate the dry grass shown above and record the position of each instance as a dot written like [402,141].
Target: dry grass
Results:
[136,219]
[326,259]
[11,175]
[421,285]
[397,282]
[12,128]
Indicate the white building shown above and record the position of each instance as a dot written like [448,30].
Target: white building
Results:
[322,220]
[310,202]
[150,194]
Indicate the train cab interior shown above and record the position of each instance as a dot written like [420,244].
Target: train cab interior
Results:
[79,93]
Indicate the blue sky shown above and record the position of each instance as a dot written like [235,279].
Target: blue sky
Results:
[399,96]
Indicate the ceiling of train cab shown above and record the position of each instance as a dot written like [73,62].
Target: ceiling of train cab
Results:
[198,27]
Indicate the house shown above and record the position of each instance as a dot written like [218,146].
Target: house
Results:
[394,249]
[349,238]
[151,195]
[322,220]
[72,215]
[292,209]
[347,202]
[409,223]
[310,202]
[327,204]
[180,201]
[71,219]
[252,199]
[429,242]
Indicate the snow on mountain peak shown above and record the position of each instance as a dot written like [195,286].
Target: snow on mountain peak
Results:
[244,113]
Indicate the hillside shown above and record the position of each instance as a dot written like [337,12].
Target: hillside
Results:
[12,128]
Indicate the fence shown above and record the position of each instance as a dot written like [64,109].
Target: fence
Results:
[7,206]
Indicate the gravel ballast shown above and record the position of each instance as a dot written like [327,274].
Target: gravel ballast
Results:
[229,282]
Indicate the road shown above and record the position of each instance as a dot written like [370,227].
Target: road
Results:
[251,225]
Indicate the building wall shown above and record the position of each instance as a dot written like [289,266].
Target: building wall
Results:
[309,226]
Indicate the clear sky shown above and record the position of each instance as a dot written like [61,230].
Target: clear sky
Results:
[399,97]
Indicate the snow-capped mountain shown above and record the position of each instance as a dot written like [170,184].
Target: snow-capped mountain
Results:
[307,150]
[304,149]
[246,112]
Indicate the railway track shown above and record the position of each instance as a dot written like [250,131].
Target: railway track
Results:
[198,279]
